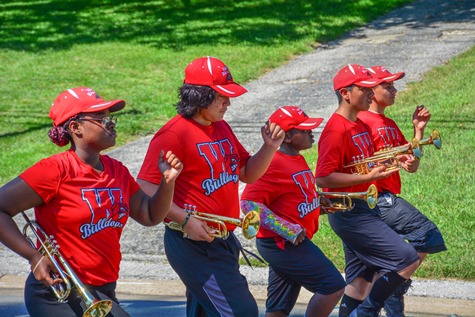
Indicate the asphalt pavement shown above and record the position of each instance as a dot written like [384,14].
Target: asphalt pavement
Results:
[414,39]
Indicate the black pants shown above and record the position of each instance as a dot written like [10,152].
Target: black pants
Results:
[40,300]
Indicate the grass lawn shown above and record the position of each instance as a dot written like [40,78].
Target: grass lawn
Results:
[137,50]
[443,186]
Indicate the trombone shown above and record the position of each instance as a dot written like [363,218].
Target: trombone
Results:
[370,196]
[49,248]
[249,224]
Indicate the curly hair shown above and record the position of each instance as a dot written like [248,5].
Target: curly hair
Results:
[59,135]
[193,98]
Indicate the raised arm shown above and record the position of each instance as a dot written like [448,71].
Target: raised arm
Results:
[151,206]
[257,164]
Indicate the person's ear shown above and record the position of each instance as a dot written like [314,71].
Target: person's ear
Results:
[288,137]
[74,127]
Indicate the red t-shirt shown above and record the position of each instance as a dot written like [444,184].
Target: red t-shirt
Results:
[340,142]
[212,157]
[85,211]
[288,189]
[385,132]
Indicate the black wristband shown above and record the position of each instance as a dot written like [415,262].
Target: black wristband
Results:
[188,215]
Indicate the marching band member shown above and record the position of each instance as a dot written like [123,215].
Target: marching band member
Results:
[370,245]
[395,211]
[289,206]
[214,163]
[83,199]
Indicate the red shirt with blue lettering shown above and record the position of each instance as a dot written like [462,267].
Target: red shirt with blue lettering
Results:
[84,210]
[342,141]
[212,157]
[385,133]
[288,189]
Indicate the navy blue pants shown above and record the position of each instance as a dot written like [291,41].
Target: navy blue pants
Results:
[40,300]
[210,272]
[294,267]
[370,245]
[412,225]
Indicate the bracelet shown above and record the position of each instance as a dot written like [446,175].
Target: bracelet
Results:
[37,264]
[188,215]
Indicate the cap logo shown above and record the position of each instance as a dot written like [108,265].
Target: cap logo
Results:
[225,73]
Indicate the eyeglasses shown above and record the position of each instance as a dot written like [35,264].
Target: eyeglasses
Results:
[105,121]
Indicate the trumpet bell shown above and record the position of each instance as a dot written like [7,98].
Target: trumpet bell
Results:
[99,308]
[434,139]
[251,224]
[372,196]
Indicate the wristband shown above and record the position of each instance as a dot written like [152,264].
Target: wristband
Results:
[38,263]
[188,215]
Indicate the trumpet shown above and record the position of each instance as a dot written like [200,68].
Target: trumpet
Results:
[249,224]
[370,196]
[49,248]
[386,156]
[434,139]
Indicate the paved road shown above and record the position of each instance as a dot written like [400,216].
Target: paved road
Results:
[413,39]
[168,301]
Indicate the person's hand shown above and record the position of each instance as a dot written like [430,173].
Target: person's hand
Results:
[325,206]
[380,172]
[169,165]
[300,238]
[272,134]
[409,163]
[198,230]
[42,267]
[420,117]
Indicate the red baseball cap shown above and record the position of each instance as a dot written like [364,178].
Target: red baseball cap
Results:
[80,100]
[381,72]
[210,71]
[354,74]
[289,117]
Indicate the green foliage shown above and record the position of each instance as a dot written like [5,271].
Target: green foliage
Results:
[443,188]
[137,50]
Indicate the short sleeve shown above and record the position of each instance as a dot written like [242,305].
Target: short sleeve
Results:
[44,178]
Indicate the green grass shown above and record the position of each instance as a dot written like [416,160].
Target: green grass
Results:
[443,188]
[137,51]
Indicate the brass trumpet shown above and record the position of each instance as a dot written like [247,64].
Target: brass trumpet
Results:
[370,196]
[386,156]
[434,139]
[49,248]
[249,224]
